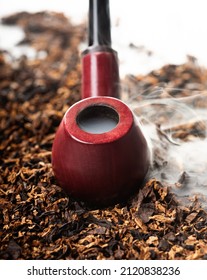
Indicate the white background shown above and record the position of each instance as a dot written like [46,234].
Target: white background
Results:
[188,270]
[171,29]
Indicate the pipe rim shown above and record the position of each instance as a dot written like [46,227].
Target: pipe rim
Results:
[124,124]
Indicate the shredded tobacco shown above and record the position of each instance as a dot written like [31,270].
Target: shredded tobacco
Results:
[37,219]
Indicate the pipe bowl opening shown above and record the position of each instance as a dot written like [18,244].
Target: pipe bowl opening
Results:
[97,119]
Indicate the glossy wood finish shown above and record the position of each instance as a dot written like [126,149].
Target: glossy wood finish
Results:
[100,169]
[100,73]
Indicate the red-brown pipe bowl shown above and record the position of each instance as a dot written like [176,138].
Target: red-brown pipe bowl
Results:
[100,169]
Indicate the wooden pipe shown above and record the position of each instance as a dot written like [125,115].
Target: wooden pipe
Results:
[100,72]
[100,155]
[100,165]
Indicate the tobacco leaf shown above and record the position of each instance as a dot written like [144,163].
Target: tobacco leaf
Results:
[37,219]
[146,211]
[12,252]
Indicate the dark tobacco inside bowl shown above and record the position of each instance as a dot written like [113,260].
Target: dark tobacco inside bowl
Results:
[37,219]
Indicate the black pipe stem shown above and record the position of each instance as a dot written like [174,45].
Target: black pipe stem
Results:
[99,23]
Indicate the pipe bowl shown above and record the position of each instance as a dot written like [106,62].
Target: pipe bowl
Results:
[100,155]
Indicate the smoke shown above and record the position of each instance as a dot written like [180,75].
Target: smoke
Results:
[175,127]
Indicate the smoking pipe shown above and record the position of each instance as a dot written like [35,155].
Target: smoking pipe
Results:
[100,155]
[100,72]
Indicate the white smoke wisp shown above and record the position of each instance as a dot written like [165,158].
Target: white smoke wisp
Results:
[176,133]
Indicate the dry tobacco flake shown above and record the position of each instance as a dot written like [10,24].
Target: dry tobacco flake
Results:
[37,219]
[162,219]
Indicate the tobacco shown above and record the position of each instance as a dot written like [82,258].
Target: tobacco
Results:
[37,219]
